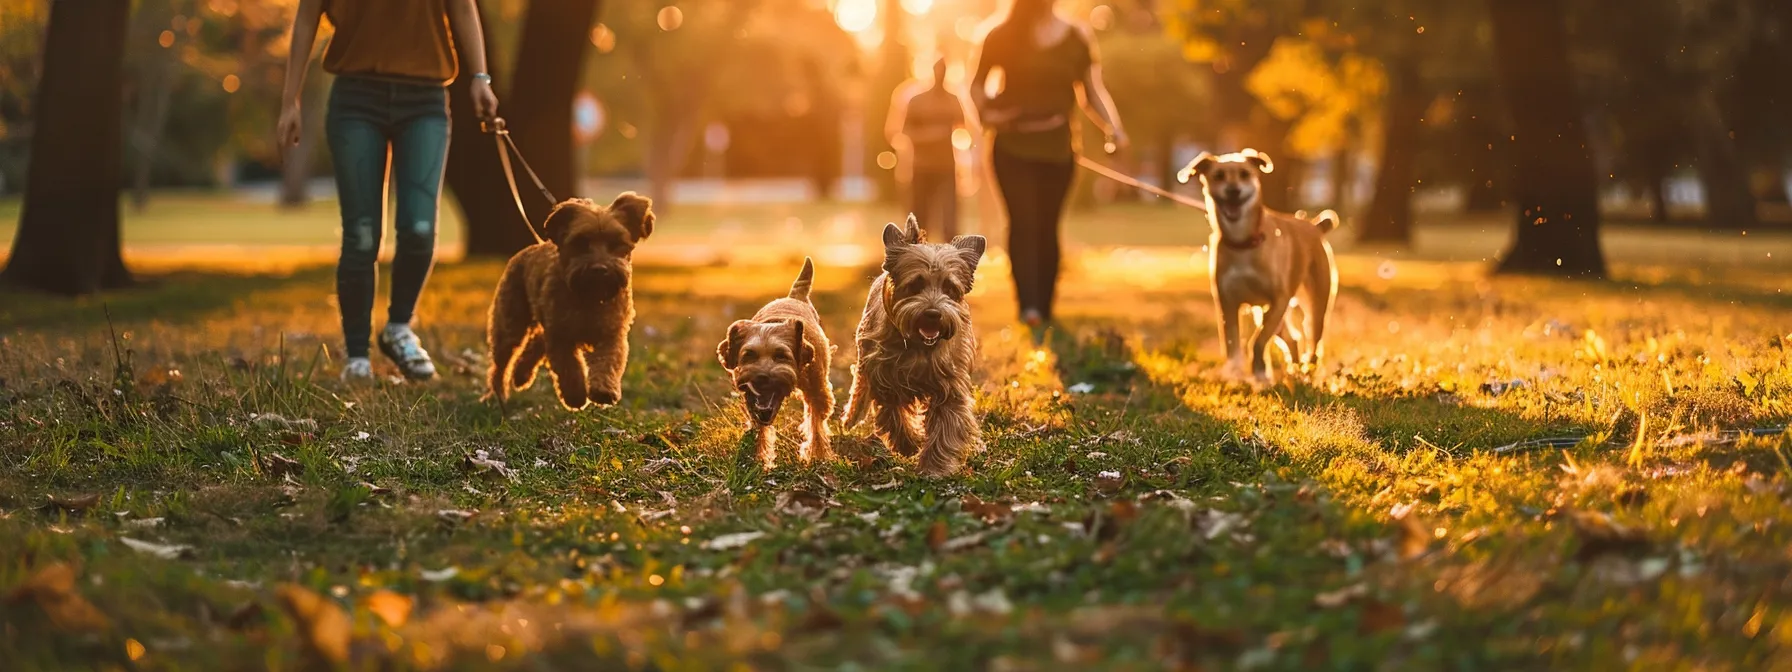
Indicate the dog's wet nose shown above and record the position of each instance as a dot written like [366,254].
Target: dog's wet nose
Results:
[932,315]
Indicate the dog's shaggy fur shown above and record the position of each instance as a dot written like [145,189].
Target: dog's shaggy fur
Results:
[1267,260]
[916,350]
[783,349]
[569,300]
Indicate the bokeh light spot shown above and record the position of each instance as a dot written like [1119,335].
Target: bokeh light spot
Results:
[603,38]
[670,18]
[855,16]
[166,40]
[961,138]
[232,83]
[886,160]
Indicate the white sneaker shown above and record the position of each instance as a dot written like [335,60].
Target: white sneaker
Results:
[401,344]
[358,370]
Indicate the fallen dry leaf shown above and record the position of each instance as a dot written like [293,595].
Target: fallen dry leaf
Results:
[936,535]
[52,589]
[323,627]
[72,502]
[802,504]
[1600,534]
[956,544]
[886,486]
[729,541]
[391,607]
[279,466]
[165,551]
[1340,597]
[481,463]
[454,516]
[988,512]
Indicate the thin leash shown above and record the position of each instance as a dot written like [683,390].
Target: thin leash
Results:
[1100,169]
[506,146]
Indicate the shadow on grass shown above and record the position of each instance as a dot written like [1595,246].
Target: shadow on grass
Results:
[174,297]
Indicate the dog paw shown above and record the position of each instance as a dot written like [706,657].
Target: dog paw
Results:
[605,397]
[1262,380]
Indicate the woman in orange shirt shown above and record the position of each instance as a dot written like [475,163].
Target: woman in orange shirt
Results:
[388,109]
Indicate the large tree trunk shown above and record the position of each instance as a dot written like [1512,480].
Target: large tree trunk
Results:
[1554,185]
[538,109]
[1389,219]
[68,240]
[1729,200]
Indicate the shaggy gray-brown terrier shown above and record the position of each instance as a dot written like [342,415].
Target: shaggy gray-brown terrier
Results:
[783,349]
[916,350]
[569,300]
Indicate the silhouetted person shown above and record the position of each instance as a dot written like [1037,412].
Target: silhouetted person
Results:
[923,117]
[1048,66]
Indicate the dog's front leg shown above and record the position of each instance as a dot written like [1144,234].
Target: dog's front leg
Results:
[1278,311]
[818,403]
[1229,333]
[605,363]
[893,426]
[569,373]
[765,444]
[951,434]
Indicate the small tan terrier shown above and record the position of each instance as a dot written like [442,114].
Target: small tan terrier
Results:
[916,350]
[783,349]
[1271,261]
[569,300]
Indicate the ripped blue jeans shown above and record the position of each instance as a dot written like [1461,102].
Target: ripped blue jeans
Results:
[374,127]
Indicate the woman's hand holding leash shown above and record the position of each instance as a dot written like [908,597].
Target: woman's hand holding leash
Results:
[485,102]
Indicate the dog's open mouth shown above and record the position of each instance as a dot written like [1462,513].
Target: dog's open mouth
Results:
[762,408]
[930,334]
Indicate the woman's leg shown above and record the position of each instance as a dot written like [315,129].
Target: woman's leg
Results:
[354,126]
[1053,182]
[419,153]
[1014,181]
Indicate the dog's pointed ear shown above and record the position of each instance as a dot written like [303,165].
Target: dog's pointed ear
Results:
[635,212]
[560,222]
[1196,167]
[1260,160]
[912,231]
[728,351]
[971,247]
[893,237]
[800,348]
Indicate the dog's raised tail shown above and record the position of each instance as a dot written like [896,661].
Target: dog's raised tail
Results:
[804,279]
[1327,221]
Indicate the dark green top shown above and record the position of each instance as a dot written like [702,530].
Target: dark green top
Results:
[1040,83]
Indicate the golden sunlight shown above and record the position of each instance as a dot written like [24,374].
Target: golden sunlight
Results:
[855,16]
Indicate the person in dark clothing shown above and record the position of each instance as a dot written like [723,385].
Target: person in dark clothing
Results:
[387,115]
[1048,68]
[923,117]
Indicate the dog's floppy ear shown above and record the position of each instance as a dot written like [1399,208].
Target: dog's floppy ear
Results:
[728,351]
[1260,160]
[559,222]
[635,212]
[1197,166]
[800,349]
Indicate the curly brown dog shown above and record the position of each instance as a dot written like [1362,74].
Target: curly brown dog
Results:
[1264,259]
[783,349]
[916,350]
[568,299]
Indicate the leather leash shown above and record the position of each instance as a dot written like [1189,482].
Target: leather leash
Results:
[1099,169]
[501,134]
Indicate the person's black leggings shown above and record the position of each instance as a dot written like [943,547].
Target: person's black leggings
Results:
[1033,192]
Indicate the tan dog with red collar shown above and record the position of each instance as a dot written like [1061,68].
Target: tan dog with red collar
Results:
[1263,259]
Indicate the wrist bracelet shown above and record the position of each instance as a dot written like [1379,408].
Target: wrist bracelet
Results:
[482,77]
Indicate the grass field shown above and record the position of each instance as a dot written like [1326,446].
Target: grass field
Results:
[1489,473]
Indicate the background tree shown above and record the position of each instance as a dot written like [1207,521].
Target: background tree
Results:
[537,105]
[68,239]
[1558,220]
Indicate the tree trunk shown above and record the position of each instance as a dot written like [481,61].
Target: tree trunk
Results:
[68,241]
[1342,174]
[1729,200]
[538,110]
[1389,219]
[151,117]
[1554,182]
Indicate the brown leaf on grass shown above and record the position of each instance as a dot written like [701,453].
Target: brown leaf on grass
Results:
[1340,597]
[1105,554]
[936,535]
[1378,616]
[988,512]
[1600,534]
[278,466]
[481,463]
[164,551]
[1109,482]
[52,589]
[802,504]
[391,607]
[1189,645]
[323,627]
[1176,465]
[73,503]
[454,516]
